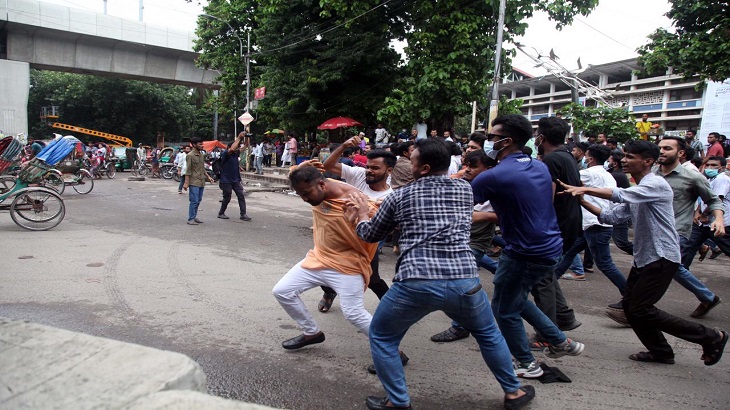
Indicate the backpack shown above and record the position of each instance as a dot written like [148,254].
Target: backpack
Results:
[217,165]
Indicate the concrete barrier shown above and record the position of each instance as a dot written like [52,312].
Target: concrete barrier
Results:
[45,367]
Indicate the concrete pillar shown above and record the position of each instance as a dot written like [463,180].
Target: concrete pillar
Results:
[14,89]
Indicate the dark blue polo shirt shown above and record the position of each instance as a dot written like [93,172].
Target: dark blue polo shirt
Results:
[520,190]
[230,172]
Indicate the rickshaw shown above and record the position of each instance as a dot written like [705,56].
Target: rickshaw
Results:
[70,172]
[31,207]
[167,162]
[107,166]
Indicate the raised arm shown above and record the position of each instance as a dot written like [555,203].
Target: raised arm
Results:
[332,163]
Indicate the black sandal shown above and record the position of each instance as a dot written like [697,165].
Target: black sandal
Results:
[326,303]
[713,354]
[649,357]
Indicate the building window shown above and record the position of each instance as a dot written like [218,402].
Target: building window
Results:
[684,94]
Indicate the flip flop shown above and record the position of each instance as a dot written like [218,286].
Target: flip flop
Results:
[326,303]
[649,357]
[711,357]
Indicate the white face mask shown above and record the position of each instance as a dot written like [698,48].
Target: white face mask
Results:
[606,166]
[493,153]
[488,146]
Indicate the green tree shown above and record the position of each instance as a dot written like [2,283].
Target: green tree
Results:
[135,109]
[614,122]
[450,50]
[699,45]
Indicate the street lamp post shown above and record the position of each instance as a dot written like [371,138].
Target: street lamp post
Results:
[247,58]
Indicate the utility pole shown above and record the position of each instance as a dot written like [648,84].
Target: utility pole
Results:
[494,103]
[248,71]
[105,7]
[141,9]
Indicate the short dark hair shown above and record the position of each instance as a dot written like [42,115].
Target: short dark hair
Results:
[692,131]
[195,140]
[722,160]
[582,146]
[590,134]
[454,148]
[479,138]
[305,175]
[479,157]
[617,155]
[689,152]
[403,147]
[517,127]
[388,157]
[394,147]
[644,149]
[434,153]
[349,151]
[681,142]
[599,152]
[527,151]
[613,141]
[716,134]
[554,129]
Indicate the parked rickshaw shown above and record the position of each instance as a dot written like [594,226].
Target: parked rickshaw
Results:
[70,171]
[35,208]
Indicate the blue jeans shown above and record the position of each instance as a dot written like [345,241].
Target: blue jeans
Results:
[483,261]
[598,240]
[195,194]
[513,281]
[577,265]
[258,164]
[408,302]
[685,278]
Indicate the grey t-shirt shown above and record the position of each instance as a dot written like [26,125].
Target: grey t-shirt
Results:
[649,205]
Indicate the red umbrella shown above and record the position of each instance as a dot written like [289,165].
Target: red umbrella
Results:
[337,122]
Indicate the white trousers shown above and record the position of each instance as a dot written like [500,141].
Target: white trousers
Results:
[350,289]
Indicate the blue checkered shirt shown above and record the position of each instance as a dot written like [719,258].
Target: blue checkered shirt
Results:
[434,214]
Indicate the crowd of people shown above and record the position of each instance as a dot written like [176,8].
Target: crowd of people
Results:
[440,201]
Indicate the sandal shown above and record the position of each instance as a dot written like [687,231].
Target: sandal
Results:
[713,354]
[649,357]
[326,303]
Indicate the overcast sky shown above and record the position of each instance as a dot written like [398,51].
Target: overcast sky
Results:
[612,32]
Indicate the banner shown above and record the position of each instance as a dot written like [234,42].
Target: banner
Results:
[716,111]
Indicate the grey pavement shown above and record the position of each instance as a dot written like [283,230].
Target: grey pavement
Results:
[124,265]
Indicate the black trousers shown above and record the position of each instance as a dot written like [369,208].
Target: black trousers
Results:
[645,287]
[548,296]
[227,190]
[377,284]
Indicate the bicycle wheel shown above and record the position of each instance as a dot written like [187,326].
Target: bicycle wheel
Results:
[84,182]
[7,183]
[111,170]
[143,170]
[38,209]
[53,181]
[134,168]
[167,171]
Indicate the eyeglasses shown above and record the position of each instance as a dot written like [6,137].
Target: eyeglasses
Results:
[490,136]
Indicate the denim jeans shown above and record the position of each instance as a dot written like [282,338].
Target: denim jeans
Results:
[685,278]
[703,234]
[195,194]
[596,238]
[483,261]
[258,164]
[228,190]
[513,281]
[576,266]
[409,301]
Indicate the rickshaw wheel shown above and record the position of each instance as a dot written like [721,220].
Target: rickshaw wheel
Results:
[111,170]
[84,182]
[7,183]
[37,209]
[53,181]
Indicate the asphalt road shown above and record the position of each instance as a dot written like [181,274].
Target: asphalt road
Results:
[124,265]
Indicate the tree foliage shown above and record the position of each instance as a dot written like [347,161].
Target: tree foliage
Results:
[322,58]
[135,109]
[699,45]
[614,122]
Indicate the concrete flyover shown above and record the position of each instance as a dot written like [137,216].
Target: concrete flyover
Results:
[52,37]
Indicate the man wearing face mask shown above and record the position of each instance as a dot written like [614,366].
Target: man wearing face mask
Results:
[521,191]
[720,185]
[551,133]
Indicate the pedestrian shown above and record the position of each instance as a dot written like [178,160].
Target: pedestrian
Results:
[279,148]
[258,154]
[231,178]
[268,152]
[704,230]
[292,149]
[155,163]
[141,154]
[657,257]
[520,190]
[180,165]
[434,213]
[195,177]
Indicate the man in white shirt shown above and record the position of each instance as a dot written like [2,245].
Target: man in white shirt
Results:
[141,154]
[258,158]
[596,235]
[381,136]
[180,164]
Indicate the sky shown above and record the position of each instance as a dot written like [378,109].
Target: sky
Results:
[611,32]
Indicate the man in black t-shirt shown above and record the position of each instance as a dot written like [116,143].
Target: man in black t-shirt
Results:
[551,134]
[231,179]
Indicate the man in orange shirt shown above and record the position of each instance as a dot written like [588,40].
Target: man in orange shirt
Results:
[340,259]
